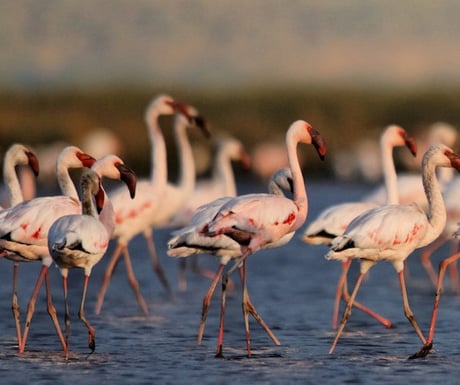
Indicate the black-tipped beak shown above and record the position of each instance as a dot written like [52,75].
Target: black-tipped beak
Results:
[319,143]
[33,162]
[201,123]
[100,198]
[411,144]
[129,177]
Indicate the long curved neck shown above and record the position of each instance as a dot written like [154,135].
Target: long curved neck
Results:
[11,180]
[186,182]
[159,170]
[436,209]
[107,215]
[299,191]
[223,173]
[389,172]
[65,182]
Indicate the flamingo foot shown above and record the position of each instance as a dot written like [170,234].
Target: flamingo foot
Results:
[423,352]
[219,353]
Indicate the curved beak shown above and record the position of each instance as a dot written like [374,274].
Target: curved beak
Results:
[318,142]
[100,198]
[454,160]
[411,144]
[86,159]
[201,123]
[33,162]
[129,177]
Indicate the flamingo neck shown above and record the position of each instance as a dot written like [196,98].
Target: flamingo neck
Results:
[65,181]
[107,215]
[436,212]
[389,173]
[159,174]
[10,178]
[299,190]
[223,173]
[186,182]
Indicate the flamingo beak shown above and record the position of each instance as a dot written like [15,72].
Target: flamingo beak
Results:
[411,144]
[86,159]
[100,198]
[318,142]
[129,177]
[33,162]
[201,123]
[454,160]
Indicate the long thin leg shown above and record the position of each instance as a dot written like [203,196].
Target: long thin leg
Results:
[453,270]
[407,310]
[248,307]
[53,315]
[133,282]
[107,275]
[182,280]
[220,338]
[207,301]
[156,264]
[81,315]
[15,305]
[347,312]
[342,291]
[427,346]
[425,257]
[31,307]
[66,312]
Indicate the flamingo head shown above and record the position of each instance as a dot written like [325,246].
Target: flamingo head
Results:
[32,161]
[317,140]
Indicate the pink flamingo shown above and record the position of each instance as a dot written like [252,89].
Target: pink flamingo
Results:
[391,232]
[332,222]
[138,215]
[24,230]
[189,241]
[256,220]
[81,240]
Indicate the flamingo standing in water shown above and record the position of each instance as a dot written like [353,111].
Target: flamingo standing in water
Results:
[220,184]
[81,240]
[392,232]
[256,220]
[24,230]
[138,215]
[189,241]
[332,222]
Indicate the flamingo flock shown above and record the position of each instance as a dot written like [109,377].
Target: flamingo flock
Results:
[74,229]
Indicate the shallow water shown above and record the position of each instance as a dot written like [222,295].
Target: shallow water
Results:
[292,288]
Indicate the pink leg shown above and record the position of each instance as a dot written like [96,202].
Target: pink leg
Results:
[107,275]
[81,315]
[156,264]
[453,270]
[133,281]
[66,313]
[207,301]
[407,311]
[15,305]
[347,312]
[427,346]
[425,258]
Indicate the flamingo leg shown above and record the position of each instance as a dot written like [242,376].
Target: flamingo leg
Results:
[249,308]
[133,281]
[427,346]
[347,312]
[182,275]
[220,338]
[31,307]
[107,275]
[82,316]
[425,258]
[156,264]
[66,312]
[15,305]
[453,269]
[407,311]
[207,301]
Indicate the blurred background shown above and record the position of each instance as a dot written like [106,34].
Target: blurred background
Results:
[70,69]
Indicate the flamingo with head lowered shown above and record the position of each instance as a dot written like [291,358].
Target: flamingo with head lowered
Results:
[255,221]
[81,240]
[392,232]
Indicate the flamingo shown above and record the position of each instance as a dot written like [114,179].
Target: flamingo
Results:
[189,241]
[17,155]
[391,232]
[81,240]
[256,220]
[331,222]
[220,184]
[135,216]
[24,229]
[428,345]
